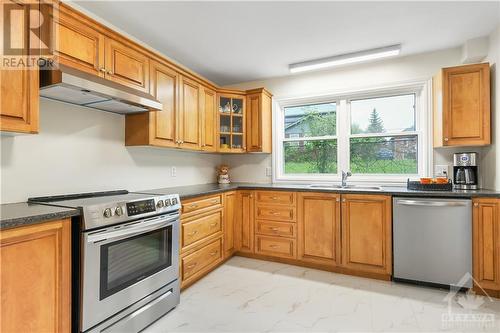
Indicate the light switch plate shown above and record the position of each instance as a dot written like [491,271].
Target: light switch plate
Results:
[173,172]
[441,171]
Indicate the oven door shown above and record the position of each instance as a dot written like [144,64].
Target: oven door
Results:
[125,263]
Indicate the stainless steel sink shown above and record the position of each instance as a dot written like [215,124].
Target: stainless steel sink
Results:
[348,187]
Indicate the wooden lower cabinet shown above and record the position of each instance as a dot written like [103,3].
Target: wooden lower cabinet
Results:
[367,233]
[276,246]
[196,229]
[35,277]
[198,262]
[245,222]
[486,244]
[230,199]
[319,228]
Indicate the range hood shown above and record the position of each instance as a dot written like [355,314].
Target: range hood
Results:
[72,86]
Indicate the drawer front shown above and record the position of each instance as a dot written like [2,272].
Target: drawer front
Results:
[201,259]
[271,228]
[201,228]
[205,203]
[276,197]
[276,213]
[275,246]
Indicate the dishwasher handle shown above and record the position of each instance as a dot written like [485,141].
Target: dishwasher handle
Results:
[432,203]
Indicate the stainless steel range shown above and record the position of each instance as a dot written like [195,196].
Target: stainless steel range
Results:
[129,258]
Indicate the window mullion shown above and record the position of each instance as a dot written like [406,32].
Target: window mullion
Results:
[343,137]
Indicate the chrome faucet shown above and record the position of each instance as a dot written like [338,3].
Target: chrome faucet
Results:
[345,174]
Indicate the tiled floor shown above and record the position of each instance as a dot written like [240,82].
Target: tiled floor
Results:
[246,295]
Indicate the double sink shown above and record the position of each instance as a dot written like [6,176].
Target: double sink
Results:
[346,187]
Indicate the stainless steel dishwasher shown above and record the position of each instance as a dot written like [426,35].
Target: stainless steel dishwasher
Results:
[432,240]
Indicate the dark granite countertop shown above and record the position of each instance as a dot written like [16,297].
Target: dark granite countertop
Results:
[190,191]
[20,214]
[23,213]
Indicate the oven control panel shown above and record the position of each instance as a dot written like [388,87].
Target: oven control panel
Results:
[116,212]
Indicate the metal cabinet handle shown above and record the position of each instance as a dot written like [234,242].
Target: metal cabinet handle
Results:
[476,204]
[343,200]
[102,69]
[213,224]
[193,233]
[446,139]
[431,203]
[193,206]
[274,213]
[215,201]
[214,253]
[110,72]
[338,199]
[274,229]
[273,246]
[192,265]
[274,198]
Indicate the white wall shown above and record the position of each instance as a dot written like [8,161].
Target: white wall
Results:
[491,160]
[392,71]
[80,149]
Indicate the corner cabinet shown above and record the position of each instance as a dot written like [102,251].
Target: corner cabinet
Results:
[462,115]
[486,244]
[367,233]
[35,284]
[231,123]
[19,105]
[259,121]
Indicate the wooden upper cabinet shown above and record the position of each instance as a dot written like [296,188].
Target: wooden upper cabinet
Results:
[164,87]
[486,243]
[75,43]
[319,228]
[189,119]
[126,65]
[366,233]
[259,121]
[462,106]
[19,106]
[230,199]
[209,119]
[35,284]
[231,122]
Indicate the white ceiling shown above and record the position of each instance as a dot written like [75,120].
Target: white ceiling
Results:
[231,42]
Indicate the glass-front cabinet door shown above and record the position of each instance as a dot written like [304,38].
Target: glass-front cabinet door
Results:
[232,123]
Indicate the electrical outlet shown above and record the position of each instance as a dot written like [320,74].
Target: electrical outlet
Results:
[173,172]
[269,172]
[441,171]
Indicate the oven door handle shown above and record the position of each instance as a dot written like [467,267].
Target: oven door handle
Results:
[135,229]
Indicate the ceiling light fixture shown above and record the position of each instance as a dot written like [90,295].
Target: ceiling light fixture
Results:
[344,59]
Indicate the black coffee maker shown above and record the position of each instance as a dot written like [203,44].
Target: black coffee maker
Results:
[465,175]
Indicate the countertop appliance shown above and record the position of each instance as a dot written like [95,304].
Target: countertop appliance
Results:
[432,240]
[72,86]
[128,260]
[465,175]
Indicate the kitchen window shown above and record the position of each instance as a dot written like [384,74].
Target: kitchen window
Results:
[378,135]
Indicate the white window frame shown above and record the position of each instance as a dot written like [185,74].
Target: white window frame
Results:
[423,127]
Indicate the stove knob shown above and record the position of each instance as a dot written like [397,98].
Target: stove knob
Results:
[160,204]
[167,202]
[107,212]
[119,211]
[174,201]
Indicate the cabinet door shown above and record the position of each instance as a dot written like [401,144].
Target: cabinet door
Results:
[254,128]
[77,45]
[245,219]
[126,66]
[36,278]
[366,233]
[230,199]
[19,87]
[466,105]
[209,121]
[189,114]
[486,243]
[164,87]
[319,228]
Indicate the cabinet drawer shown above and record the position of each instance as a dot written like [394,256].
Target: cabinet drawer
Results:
[201,259]
[275,246]
[271,228]
[201,204]
[275,213]
[201,228]
[276,197]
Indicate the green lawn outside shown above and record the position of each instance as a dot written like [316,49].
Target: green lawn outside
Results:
[373,166]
